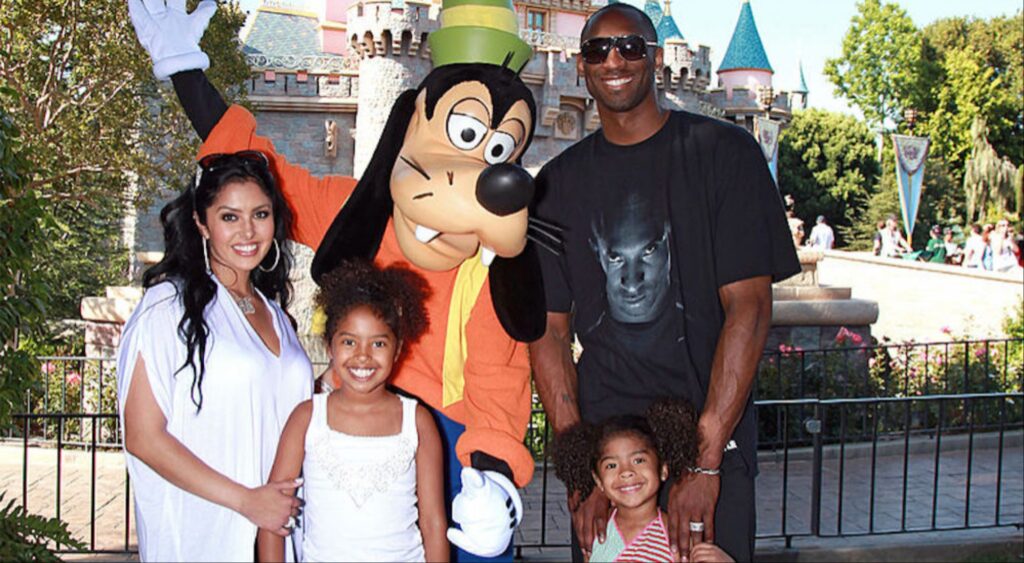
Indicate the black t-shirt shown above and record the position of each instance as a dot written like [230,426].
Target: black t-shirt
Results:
[651,232]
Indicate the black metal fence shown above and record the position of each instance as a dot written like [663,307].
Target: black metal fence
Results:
[854,440]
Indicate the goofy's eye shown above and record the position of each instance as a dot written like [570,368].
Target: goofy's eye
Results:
[499,148]
[465,132]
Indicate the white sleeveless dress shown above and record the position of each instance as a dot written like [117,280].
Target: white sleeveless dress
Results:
[360,492]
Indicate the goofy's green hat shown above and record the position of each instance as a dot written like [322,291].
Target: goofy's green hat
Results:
[479,31]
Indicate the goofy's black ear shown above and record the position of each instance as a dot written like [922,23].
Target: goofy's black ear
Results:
[517,292]
[357,230]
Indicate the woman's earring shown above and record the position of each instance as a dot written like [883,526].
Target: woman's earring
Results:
[277,258]
[206,254]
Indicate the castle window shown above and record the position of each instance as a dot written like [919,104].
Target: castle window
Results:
[536,20]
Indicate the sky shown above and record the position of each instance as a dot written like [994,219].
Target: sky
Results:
[792,31]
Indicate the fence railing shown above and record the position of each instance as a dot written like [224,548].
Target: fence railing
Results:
[854,440]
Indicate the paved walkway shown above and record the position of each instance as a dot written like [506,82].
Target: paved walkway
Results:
[949,510]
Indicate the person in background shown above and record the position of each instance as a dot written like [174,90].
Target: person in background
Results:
[876,241]
[893,243]
[796,224]
[935,251]
[1004,248]
[987,234]
[954,254]
[822,236]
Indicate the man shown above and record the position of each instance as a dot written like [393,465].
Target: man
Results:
[974,248]
[935,251]
[893,243]
[673,233]
[822,236]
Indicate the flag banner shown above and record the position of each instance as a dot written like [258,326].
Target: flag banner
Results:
[911,152]
[768,138]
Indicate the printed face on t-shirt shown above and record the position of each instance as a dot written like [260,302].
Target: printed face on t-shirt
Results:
[631,243]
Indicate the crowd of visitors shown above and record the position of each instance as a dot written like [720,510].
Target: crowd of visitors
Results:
[986,247]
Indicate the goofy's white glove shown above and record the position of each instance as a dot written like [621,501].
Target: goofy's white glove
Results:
[488,509]
[171,36]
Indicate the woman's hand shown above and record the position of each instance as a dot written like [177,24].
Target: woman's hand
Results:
[271,505]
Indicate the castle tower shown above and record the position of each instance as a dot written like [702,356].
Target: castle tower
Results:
[390,37]
[799,95]
[685,71]
[745,64]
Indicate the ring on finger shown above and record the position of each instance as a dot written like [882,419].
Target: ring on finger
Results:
[696,526]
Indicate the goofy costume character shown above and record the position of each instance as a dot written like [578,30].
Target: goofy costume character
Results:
[441,194]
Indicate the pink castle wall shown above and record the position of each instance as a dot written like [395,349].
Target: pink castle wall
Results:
[334,10]
[333,40]
[569,25]
[750,79]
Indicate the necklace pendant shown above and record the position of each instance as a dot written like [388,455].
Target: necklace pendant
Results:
[246,305]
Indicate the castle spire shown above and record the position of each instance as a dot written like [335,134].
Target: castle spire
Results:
[745,52]
[802,89]
[668,8]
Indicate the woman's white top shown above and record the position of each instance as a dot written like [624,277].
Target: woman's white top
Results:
[247,395]
[360,492]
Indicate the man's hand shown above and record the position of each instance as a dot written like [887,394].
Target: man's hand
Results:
[590,518]
[488,509]
[692,499]
[170,35]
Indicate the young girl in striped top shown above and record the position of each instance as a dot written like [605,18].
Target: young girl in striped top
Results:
[628,458]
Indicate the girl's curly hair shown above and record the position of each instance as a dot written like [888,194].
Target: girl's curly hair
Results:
[669,426]
[395,294]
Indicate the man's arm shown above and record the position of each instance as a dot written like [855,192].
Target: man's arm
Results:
[554,374]
[748,318]
[748,314]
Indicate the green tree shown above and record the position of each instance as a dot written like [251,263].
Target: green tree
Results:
[827,163]
[100,132]
[970,91]
[23,297]
[880,67]
[959,52]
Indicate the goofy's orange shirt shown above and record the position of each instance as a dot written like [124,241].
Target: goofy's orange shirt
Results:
[495,403]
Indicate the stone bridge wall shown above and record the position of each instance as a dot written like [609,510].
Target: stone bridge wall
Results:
[916,300]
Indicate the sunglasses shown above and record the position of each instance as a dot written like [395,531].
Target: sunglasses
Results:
[630,47]
[214,161]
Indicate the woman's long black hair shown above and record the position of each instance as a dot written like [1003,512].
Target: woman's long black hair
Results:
[184,265]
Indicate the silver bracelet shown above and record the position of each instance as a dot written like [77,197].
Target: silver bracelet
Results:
[704,471]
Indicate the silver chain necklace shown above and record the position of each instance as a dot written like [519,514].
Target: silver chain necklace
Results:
[244,303]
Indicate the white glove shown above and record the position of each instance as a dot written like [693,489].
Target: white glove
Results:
[488,508]
[171,36]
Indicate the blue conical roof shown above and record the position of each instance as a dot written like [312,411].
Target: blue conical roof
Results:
[745,49]
[664,25]
[803,83]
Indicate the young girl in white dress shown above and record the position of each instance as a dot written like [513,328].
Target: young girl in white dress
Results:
[370,459]
[209,367]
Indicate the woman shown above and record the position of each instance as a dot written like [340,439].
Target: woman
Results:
[209,369]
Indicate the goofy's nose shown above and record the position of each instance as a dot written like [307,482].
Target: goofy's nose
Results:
[504,189]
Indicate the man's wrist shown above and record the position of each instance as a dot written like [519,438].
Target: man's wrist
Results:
[711,448]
